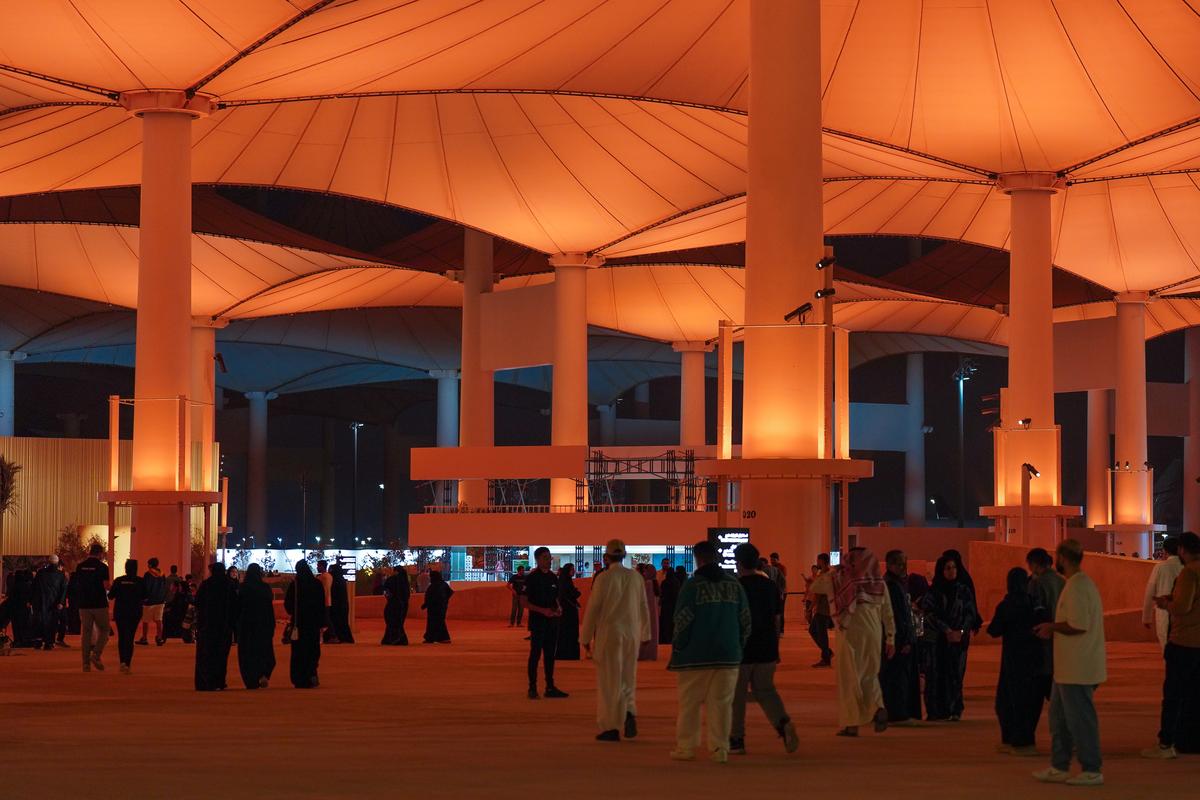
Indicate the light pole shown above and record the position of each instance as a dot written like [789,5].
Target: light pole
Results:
[966,368]
[354,426]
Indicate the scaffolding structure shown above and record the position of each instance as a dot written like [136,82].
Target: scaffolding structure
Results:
[677,468]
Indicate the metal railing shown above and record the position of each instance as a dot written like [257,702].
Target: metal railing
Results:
[625,508]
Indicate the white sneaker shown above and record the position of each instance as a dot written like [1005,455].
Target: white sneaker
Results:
[682,755]
[1051,775]
[1158,751]
[1087,779]
[720,756]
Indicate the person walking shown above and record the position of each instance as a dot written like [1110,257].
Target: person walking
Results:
[255,630]
[339,609]
[953,615]
[781,582]
[760,656]
[649,648]
[128,594]
[542,600]
[1019,695]
[304,601]
[91,597]
[516,589]
[899,678]
[615,623]
[821,623]
[216,607]
[1079,668]
[1161,584]
[568,623]
[397,590]
[712,626]
[49,599]
[866,636]
[437,603]
[155,585]
[1181,684]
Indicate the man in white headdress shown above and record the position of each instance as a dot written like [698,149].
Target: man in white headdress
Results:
[617,619]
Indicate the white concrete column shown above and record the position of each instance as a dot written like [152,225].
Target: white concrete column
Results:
[256,472]
[8,395]
[914,454]
[1131,501]
[785,383]
[1191,444]
[569,389]
[608,424]
[478,407]
[692,431]
[164,315]
[447,423]
[1098,456]
[203,395]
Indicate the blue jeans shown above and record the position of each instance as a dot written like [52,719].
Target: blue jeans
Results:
[1074,728]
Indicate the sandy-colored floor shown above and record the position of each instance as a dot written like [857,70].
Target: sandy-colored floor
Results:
[453,721]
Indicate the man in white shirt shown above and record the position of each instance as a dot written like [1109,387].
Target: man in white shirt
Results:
[1161,584]
[618,619]
[1079,667]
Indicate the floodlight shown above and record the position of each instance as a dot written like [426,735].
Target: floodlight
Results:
[820,293]
[797,313]
[1032,470]
[1024,423]
[827,261]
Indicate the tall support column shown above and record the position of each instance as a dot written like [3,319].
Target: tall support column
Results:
[1191,444]
[329,480]
[447,423]
[692,431]
[569,388]
[1098,457]
[608,423]
[478,408]
[1028,434]
[256,472]
[1131,490]
[785,383]
[203,395]
[914,454]
[164,316]
[8,394]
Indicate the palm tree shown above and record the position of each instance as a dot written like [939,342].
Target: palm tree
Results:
[8,502]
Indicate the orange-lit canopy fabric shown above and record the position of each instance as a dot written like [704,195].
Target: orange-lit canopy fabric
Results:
[618,125]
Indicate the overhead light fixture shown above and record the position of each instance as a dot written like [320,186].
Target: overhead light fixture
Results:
[820,293]
[797,313]
[1032,470]
[1025,423]
[827,261]
[1126,465]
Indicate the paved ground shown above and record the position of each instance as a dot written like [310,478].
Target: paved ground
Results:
[452,721]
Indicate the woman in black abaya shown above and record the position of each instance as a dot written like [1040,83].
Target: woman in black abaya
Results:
[339,607]
[305,602]
[951,611]
[255,630]
[397,591]
[1018,699]
[216,608]
[568,623]
[437,600]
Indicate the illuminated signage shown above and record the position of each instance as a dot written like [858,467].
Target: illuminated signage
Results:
[726,541]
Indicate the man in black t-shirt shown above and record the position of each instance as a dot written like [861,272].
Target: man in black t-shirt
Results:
[541,595]
[91,598]
[516,587]
[760,656]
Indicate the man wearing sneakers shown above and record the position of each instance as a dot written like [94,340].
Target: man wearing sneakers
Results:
[541,596]
[155,587]
[1182,653]
[712,625]
[91,597]
[760,656]
[1079,667]
[822,617]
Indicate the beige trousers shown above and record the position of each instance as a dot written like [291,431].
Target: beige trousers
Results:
[713,689]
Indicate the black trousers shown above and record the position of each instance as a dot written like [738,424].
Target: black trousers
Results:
[543,644]
[1181,691]
[50,626]
[818,629]
[126,633]
[901,686]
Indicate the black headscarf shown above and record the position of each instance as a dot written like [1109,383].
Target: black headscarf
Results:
[941,584]
[963,575]
[254,574]
[917,587]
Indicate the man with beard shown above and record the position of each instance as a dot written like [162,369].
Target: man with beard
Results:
[898,678]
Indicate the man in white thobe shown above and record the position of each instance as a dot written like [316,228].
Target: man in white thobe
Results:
[618,620]
[1161,584]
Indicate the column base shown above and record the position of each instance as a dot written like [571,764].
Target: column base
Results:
[1131,537]
[1047,524]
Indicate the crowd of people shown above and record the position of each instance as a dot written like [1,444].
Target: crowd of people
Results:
[900,654]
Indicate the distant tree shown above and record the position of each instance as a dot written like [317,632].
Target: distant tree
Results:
[8,502]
